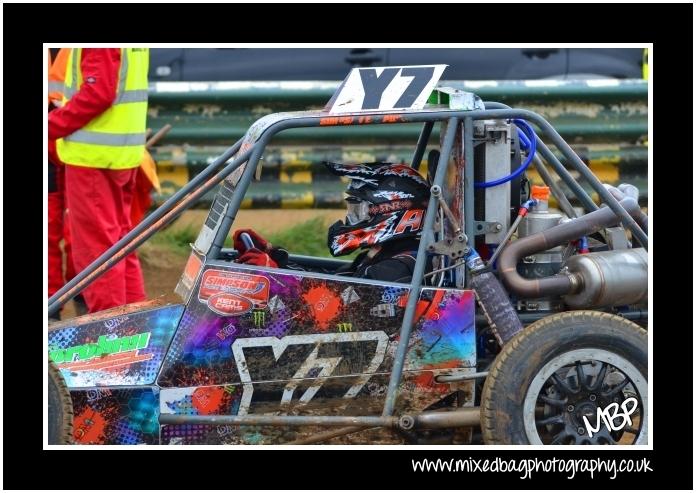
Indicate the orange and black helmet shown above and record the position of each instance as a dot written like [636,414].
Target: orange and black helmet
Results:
[385,201]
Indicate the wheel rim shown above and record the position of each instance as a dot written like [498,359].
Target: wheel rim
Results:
[577,383]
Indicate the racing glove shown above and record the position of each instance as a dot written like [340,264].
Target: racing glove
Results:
[254,256]
[259,242]
[263,253]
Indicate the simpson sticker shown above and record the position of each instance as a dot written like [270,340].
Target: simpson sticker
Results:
[253,287]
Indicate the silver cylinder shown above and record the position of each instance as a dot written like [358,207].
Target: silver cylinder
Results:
[537,221]
[466,416]
[617,277]
[548,262]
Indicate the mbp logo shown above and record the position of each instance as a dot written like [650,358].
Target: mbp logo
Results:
[386,88]
[609,414]
[280,366]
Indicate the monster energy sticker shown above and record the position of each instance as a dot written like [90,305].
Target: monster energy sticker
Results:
[259,318]
[345,327]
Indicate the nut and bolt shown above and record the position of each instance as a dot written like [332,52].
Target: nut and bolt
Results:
[593,397]
[581,430]
[571,409]
[406,422]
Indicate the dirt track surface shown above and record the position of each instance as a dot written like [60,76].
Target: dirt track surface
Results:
[162,268]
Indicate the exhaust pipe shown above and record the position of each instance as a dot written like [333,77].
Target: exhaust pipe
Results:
[469,416]
[466,416]
[627,190]
[558,235]
[616,277]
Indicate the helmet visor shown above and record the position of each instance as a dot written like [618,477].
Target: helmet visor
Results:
[357,211]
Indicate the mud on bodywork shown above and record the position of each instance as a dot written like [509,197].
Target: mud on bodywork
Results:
[301,344]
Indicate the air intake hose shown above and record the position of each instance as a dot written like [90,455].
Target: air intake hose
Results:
[493,299]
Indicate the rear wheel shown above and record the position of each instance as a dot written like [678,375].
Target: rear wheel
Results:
[565,372]
[60,410]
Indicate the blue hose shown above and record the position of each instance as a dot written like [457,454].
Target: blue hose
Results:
[530,140]
[524,141]
[584,245]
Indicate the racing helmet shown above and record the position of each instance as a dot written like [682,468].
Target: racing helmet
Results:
[385,202]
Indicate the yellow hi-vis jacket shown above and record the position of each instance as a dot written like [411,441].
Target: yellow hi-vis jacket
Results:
[116,138]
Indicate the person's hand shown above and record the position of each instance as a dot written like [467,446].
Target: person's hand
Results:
[254,256]
[258,255]
[259,242]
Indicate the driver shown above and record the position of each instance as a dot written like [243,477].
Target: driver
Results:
[385,209]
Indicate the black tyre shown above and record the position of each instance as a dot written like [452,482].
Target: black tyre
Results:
[563,372]
[60,410]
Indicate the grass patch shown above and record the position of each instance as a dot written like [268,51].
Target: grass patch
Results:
[177,240]
[307,238]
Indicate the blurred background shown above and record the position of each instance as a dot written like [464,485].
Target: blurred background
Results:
[596,98]
[277,64]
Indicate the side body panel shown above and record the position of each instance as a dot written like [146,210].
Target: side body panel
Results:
[127,349]
[259,341]
[110,361]
[116,415]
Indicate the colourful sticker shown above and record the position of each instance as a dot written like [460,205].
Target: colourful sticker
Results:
[318,312]
[226,304]
[325,305]
[116,416]
[106,353]
[250,286]
[124,350]
[188,278]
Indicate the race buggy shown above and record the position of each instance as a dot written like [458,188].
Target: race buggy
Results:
[520,324]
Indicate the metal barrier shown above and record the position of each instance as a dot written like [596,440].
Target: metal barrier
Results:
[606,121]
